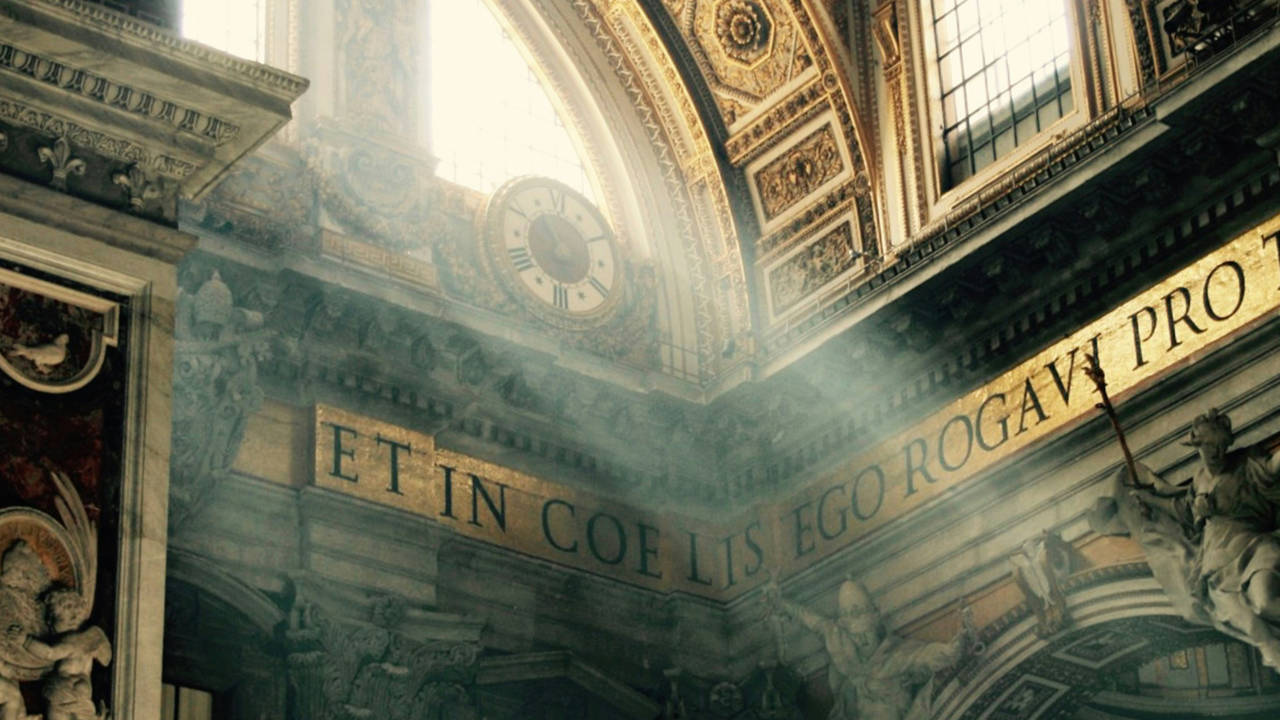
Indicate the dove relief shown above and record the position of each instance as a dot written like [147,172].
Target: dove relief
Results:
[53,339]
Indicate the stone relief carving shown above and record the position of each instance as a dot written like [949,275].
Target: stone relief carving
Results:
[53,339]
[874,673]
[798,172]
[822,261]
[217,349]
[23,115]
[140,186]
[377,46]
[265,200]
[379,192]
[744,29]
[347,669]
[1040,566]
[1210,540]
[60,160]
[48,579]
[166,114]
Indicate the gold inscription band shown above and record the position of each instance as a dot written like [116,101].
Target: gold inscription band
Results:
[1227,291]
[1167,325]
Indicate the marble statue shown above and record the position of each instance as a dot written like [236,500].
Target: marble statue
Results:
[23,578]
[1211,541]
[874,674]
[1040,566]
[46,638]
[68,691]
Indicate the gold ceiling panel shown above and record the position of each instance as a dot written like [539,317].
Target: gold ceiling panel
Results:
[779,80]
[746,50]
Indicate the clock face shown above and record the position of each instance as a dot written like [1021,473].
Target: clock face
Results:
[550,243]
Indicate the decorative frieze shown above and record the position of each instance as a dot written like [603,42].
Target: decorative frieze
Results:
[796,107]
[167,115]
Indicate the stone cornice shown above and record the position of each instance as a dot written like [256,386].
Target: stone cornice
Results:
[132,115]
[54,209]
[283,85]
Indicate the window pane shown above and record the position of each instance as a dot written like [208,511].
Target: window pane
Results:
[1011,81]
[483,138]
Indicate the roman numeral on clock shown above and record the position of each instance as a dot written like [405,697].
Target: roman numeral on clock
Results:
[520,258]
[561,296]
[599,286]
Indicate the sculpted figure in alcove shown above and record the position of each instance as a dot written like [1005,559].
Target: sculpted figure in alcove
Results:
[47,587]
[874,674]
[1212,540]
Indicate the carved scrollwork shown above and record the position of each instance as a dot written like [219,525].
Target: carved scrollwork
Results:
[382,193]
[825,259]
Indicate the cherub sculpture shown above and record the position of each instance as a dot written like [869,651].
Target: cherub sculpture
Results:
[23,578]
[874,674]
[68,692]
[31,602]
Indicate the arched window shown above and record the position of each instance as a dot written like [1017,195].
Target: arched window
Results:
[490,116]
[1003,72]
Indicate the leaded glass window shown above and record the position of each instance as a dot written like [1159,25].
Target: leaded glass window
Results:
[1004,70]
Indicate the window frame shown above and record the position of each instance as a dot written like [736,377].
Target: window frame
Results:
[944,198]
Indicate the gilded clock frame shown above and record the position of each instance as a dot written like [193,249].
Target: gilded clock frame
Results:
[505,275]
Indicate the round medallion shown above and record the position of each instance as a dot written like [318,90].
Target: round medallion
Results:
[554,251]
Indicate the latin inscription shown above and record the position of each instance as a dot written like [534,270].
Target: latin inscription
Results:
[1170,324]
[398,467]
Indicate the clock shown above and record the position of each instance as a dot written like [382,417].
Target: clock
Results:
[551,249]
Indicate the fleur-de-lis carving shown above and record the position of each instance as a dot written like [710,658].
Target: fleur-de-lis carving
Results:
[59,158]
[137,182]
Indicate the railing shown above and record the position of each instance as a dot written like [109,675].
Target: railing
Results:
[1203,28]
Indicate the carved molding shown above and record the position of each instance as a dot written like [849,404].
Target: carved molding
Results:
[99,16]
[166,115]
[756,137]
